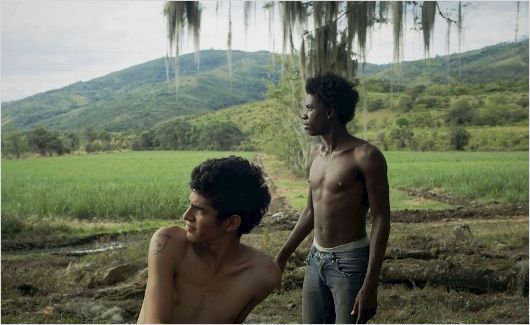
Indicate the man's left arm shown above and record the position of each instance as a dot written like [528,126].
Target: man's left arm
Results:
[269,279]
[374,168]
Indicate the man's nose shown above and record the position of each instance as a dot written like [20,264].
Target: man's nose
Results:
[186,215]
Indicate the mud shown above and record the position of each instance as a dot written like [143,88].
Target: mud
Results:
[476,212]
[281,215]
[14,244]
[435,196]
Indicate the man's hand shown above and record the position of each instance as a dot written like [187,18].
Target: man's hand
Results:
[281,263]
[365,305]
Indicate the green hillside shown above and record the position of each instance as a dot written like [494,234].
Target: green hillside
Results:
[139,97]
[505,61]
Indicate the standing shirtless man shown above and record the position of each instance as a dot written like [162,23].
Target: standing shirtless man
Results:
[347,177]
[203,274]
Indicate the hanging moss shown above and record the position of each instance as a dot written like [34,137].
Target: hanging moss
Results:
[448,44]
[193,16]
[229,43]
[517,20]
[293,15]
[364,23]
[360,17]
[303,67]
[329,46]
[428,12]
[352,26]
[397,32]
[397,28]
[178,15]
[270,8]
[459,32]
[383,10]
[318,13]
[248,7]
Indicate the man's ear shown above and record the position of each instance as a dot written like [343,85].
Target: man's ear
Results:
[232,223]
[331,113]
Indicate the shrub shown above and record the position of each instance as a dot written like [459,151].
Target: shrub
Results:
[220,136]
[461,113]
[428,101]
[522,101]
[402,122]
[403,103]
[402,136]
[459,138]
[375,104]
[423,119]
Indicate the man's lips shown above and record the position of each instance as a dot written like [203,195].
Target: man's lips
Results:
[189,228]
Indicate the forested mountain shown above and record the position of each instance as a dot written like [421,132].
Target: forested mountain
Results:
[139,97]
[505,61]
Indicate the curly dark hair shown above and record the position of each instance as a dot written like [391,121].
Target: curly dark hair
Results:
[234,186]
[333,91]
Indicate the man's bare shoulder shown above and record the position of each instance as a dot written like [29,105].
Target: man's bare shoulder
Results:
[168,241]
[368,156]
[264,268]
[315,150]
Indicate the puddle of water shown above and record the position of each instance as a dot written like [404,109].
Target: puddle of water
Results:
[77,251]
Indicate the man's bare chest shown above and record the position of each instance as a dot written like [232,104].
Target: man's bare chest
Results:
[335,175]
[206,298]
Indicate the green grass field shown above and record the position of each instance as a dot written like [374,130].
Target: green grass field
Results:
[154,185]
[484,177]
[117,186]
[477,176]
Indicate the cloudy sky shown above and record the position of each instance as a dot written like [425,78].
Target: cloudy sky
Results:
[50,44]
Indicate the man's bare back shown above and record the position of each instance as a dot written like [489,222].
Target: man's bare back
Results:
[205,293]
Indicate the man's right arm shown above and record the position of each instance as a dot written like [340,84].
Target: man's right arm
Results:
[303,226]
[158,299]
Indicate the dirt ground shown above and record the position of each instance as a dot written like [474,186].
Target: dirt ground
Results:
[457,278]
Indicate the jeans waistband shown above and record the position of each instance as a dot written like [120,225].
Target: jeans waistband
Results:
[343,248]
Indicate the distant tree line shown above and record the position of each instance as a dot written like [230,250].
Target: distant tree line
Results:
[46,142]
[181,135]
[174,135]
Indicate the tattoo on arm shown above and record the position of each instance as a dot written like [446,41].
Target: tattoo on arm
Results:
[161,242]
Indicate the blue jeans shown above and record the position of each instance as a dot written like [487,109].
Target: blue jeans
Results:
[331,284]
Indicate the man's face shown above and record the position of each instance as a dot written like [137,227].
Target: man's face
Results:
[314,116]
[202,224]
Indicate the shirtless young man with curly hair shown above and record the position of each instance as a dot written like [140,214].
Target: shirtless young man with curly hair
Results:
[203,274]
[347,177]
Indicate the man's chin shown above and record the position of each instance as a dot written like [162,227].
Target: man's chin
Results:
[190,237]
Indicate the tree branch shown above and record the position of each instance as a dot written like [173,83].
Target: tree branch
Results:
[449,20]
